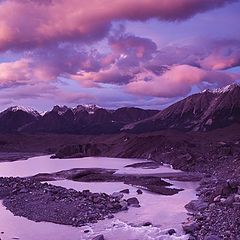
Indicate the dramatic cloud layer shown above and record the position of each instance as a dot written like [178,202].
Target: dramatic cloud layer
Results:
[66,51]
[177,81]
[31,23]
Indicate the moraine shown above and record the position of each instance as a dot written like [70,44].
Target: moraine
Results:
[164,212]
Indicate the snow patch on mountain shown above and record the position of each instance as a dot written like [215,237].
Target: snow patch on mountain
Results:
[223,89]
[24,109]
[60,109]
[90,108]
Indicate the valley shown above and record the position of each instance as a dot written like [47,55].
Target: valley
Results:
[209,159]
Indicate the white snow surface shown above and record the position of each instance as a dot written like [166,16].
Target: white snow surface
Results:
[223,89]
[24,109]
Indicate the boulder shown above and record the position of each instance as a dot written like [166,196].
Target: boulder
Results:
[171,232]
[190,227]
[230,199]
[217,198]
[109,216]
[117,195]
[146,224]
[98,237]
[196,206]
[133,202]
[237,198]
[125,191]
[124,205]
[139,191]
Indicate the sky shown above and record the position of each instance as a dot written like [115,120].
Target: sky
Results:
[114,53]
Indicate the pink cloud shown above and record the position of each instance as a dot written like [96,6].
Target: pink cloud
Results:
[25,24]
[139,47]
[111,75]
[45,92]
[178,81]
[224,54]
[24,71]
[17,72]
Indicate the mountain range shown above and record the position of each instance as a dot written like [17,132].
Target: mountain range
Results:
[83,119]
[208,110]
[203,111]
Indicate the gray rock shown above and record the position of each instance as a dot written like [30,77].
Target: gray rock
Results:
[139,191]
[229,200]
[23,190]
[196,205]
[147,224]
[192,238]
[109,216]
[133,202]
[212,237]
[125,191]
[98,237]
[237,198]
[117,195]
[171,231]
[236,205]
[190,227]
[217,198]
[124,205]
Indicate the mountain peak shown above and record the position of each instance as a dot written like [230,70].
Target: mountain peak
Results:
[206,111]
[225,89]
[60,109]
[90,108]
[23,109]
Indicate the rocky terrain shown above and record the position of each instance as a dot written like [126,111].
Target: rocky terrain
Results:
[215,153]
[205,111]
[215,215]
[152,183]
[200,134]
[44,202]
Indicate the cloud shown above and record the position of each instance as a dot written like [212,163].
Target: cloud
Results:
[224,54]
[15,73]
[177,81]
[208,54]
[134,64]
[127,44]
[111,75]
[23,72]
[38,23]
[45,94]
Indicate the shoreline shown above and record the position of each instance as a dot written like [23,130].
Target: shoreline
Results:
[215,155]
[18,202]
[43,202]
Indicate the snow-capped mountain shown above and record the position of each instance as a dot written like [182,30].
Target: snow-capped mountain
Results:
[90,108]
[223,89]
[86,119]
[204,111]
[16,117]
[23,109]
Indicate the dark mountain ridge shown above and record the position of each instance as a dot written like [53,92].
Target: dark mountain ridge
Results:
[205,111]
[83,119]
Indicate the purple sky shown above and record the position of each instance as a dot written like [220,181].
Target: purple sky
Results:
[145,53]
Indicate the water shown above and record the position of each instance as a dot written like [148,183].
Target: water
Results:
[44,164]
[163,212]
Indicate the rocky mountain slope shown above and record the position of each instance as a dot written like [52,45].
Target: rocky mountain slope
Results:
[203,111]
[15,117]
